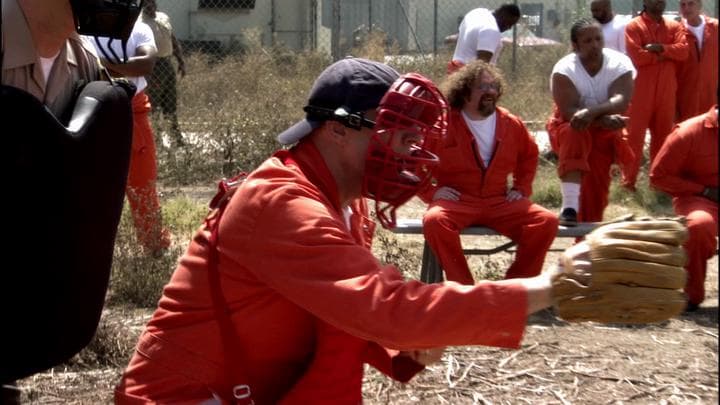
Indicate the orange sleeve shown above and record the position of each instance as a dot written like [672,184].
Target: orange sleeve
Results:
[666,172]
[392,363]
[292,242]
[634,45]
[527,162]
[427,193]
[678,50]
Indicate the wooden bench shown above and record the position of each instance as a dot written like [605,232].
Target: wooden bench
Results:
[431,272]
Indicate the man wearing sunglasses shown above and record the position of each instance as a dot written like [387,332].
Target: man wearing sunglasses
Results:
[485,145]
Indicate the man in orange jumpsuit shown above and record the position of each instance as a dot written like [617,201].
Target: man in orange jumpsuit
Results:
[279,299]
[687,168]
[655,45]
[698,74]
[591,88]
[485,145]
[135,62]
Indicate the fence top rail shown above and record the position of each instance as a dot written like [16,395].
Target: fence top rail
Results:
[414,226]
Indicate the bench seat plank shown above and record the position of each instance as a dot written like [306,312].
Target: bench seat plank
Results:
[431,271]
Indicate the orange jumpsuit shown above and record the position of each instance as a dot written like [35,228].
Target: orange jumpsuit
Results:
[142,176]
[591,151]
[308,301]
[685,165]
[482,201]
[698,75]
[653,102]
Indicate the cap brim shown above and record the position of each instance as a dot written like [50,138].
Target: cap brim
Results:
[297,131]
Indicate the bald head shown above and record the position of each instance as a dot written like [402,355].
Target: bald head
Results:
[602,11]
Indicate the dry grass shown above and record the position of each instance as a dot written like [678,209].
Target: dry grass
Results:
[231,111]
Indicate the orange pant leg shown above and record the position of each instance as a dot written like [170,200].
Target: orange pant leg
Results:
[141,188]
[640,114]
[661,123]
[591,152]
[595,184]
[442,224]
[529,225]
[572,147]
[702,222]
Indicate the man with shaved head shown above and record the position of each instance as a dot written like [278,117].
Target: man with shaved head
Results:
[480,35]
[613,25]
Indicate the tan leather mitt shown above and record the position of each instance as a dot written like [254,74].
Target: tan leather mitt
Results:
[624,272]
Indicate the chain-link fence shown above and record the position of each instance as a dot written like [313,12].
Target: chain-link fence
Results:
[336,26]
[220,37]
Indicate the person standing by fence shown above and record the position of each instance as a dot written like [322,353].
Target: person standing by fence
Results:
[134,62]
[162,83]
[613,25]
[480,35]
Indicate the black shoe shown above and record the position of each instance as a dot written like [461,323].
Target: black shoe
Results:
[568,217]
[692,307]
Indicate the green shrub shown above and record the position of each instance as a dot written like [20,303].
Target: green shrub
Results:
[137,277]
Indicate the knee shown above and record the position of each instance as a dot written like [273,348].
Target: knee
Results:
[548,221]
[702,227]
[436,221]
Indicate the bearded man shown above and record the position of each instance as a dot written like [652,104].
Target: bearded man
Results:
[485,145]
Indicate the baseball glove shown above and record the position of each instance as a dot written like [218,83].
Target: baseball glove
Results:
[624,272]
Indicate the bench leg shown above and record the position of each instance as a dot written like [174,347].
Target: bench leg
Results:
[430,272]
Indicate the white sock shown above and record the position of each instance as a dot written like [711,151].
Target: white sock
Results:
[570,195]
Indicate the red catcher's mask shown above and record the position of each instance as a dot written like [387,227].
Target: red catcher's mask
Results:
[401,159]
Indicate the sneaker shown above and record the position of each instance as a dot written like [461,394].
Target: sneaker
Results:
[692,307]
[568,217]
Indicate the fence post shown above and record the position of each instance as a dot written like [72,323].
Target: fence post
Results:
[314,25]
[335,32]
[515,39]
[272,23]
[370,25]
[435,26]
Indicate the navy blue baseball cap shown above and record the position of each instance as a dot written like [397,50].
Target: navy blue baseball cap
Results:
[353,85]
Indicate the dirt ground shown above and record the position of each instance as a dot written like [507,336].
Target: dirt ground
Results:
[675,362]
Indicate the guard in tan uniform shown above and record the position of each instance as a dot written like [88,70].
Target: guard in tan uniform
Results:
[162,83]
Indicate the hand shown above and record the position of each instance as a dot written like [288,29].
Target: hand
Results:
[711,193]
[513,195]
[426,357]
[655,48]
[446,193]
[613,121]
[581,119]
[181,70]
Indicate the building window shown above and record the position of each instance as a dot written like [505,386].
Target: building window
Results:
[226,4]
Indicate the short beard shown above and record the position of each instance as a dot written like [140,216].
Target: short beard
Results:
[485,111]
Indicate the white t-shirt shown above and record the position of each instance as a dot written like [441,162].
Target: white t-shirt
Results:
[484,132]
[478,32]
[697,31]
[593,90]
[614,32]
[46,65]
[141,35]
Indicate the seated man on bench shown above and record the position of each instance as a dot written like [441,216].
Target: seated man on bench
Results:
[485,144]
